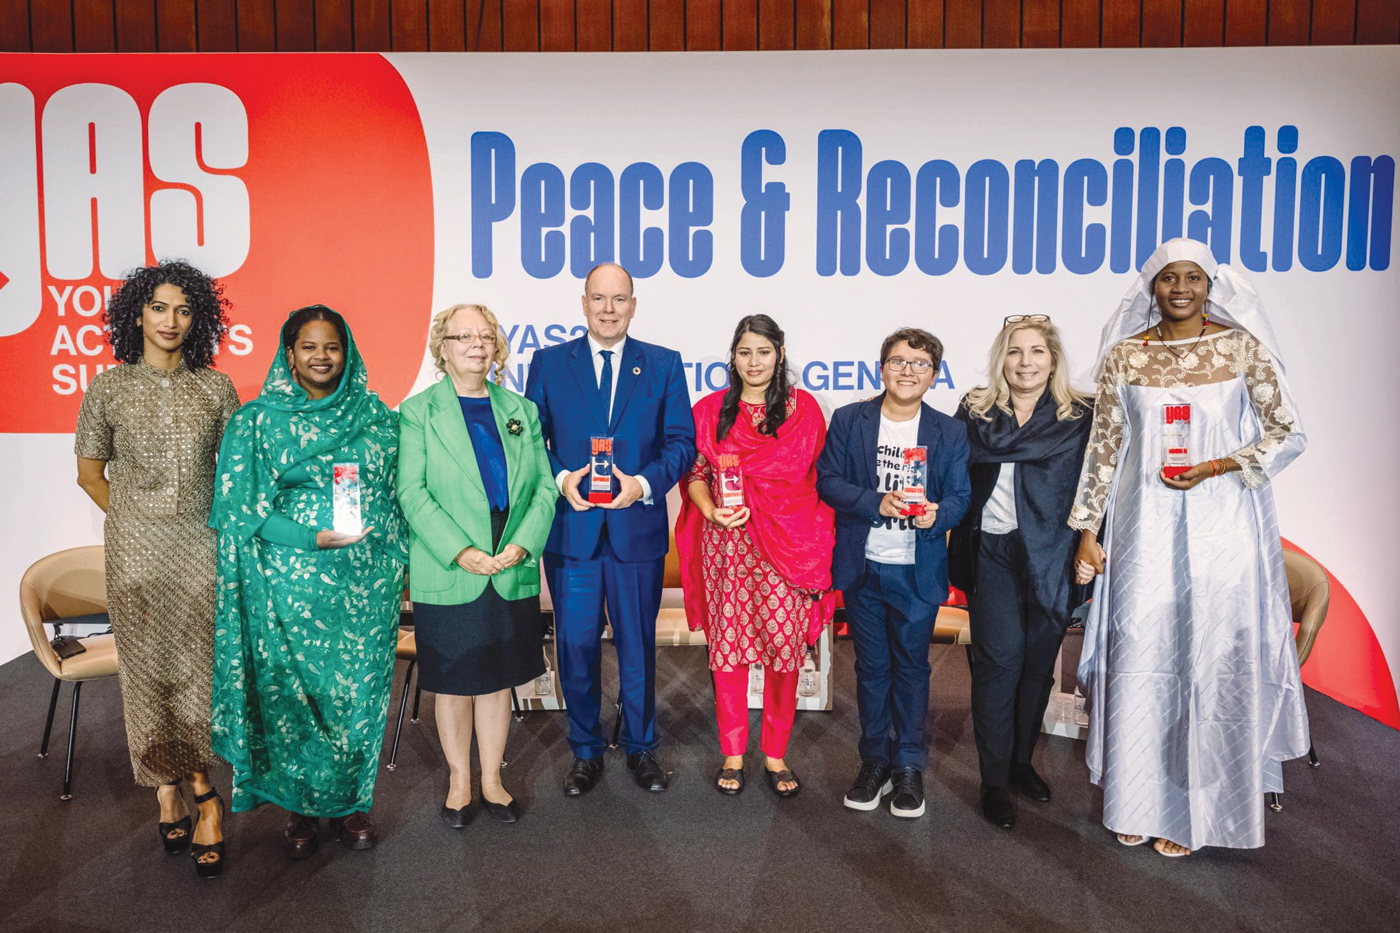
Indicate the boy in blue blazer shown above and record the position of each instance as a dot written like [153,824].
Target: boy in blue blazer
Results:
[891,567]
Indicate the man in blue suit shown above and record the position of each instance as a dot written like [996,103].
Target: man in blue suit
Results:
[608,384]
[893,568]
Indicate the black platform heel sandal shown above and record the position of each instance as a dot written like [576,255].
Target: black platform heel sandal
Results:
[175,836]
[198,851]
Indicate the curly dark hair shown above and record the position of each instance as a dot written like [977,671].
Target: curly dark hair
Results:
[208,312]
[776,395]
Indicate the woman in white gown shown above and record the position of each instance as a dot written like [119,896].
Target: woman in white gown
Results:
[1188,656]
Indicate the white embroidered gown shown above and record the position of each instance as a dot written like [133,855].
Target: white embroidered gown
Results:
[1188,658]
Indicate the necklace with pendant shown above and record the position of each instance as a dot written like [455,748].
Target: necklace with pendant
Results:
[1190,349]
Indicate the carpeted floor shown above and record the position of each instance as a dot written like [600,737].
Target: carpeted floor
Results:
[690,859]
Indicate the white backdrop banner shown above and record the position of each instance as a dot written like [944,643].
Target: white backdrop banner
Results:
[845,194]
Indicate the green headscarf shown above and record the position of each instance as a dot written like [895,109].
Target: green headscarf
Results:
[284,428]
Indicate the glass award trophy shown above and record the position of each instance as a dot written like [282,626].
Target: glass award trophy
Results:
[809,682]
[915,491]
[345,498]
[731,482]
[1176,440]
[756,679]
[600,470]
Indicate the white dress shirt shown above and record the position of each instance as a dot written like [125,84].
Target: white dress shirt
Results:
[597,349]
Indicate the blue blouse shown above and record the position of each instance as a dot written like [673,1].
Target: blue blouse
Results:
[490,455]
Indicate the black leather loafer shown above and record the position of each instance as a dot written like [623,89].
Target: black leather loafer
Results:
[1031,784]
[647,770]
[996,807]
[583,774]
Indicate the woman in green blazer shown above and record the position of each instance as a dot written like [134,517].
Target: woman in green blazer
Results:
[475,487]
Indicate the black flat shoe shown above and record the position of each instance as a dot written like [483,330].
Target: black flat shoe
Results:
[730,774]
[996,807]
[784,776]
[505,812]
[583,774]
[1031,785]
[176,836]
[458,818]
[211,868]
[647,771]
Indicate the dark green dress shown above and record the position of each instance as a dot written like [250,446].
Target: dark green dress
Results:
[305,638]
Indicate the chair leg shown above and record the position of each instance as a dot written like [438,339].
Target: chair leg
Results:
[1312,752]
[398,728]
[417,696]
[515,706]
[48,724]
[617,726]
[72,734]
[1274,803]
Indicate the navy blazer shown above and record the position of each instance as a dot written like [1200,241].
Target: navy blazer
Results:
[653,435]
[847,481]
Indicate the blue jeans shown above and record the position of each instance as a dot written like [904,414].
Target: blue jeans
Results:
[890,629]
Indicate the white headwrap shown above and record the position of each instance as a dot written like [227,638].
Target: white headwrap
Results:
[1232,300]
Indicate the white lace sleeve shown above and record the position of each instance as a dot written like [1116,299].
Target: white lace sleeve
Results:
[1101,456]
[1281,437]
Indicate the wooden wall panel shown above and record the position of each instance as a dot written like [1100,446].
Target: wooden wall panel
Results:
[738,25]
[593,25]
[703,25]
[674,25]
[962,24]
[520,27]
[94,26]
[217,25]
[1333,22]
[1040,24]
[447,26]
[1081,24]
[666,25]
[1289,22]
[1001,24]
[629,25]
[14,26]
[257,26]
[924,29]
[1122,24]
[776,22]
[1246,22]
[175,26]
[1377,22]
[483,25]
[1203,23]
[1161,23]
[557,26]
[136,26]
[296,25]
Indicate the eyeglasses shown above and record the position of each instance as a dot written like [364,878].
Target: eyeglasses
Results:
[898,365]
[1019,318]
[487,340]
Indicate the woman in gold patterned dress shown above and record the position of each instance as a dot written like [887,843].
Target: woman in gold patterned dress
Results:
[147,438]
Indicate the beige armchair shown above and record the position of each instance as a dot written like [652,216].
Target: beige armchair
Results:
[64,586]
[1309,593]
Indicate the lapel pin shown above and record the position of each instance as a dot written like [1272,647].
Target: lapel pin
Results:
[514,427]
[636,370]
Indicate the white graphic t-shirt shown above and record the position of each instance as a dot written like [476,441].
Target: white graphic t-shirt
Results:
[892,540]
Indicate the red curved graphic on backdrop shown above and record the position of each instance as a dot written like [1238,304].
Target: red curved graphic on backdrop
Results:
[1346,662]
[340,212]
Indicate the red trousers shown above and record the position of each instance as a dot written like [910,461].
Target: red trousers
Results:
[732,710]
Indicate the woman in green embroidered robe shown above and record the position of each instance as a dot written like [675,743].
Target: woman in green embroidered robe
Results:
[307,615]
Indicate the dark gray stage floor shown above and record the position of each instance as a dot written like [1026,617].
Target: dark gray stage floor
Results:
[623,859]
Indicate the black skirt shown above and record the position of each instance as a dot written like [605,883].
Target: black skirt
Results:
[483,646]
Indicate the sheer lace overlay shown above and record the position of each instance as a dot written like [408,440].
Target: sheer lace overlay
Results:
[1219,357]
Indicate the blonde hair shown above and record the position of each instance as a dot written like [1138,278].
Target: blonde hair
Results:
[439,330]
[1069,402]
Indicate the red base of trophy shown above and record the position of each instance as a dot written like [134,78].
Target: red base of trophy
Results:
[1172,472]
[914,508]
[604,496]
